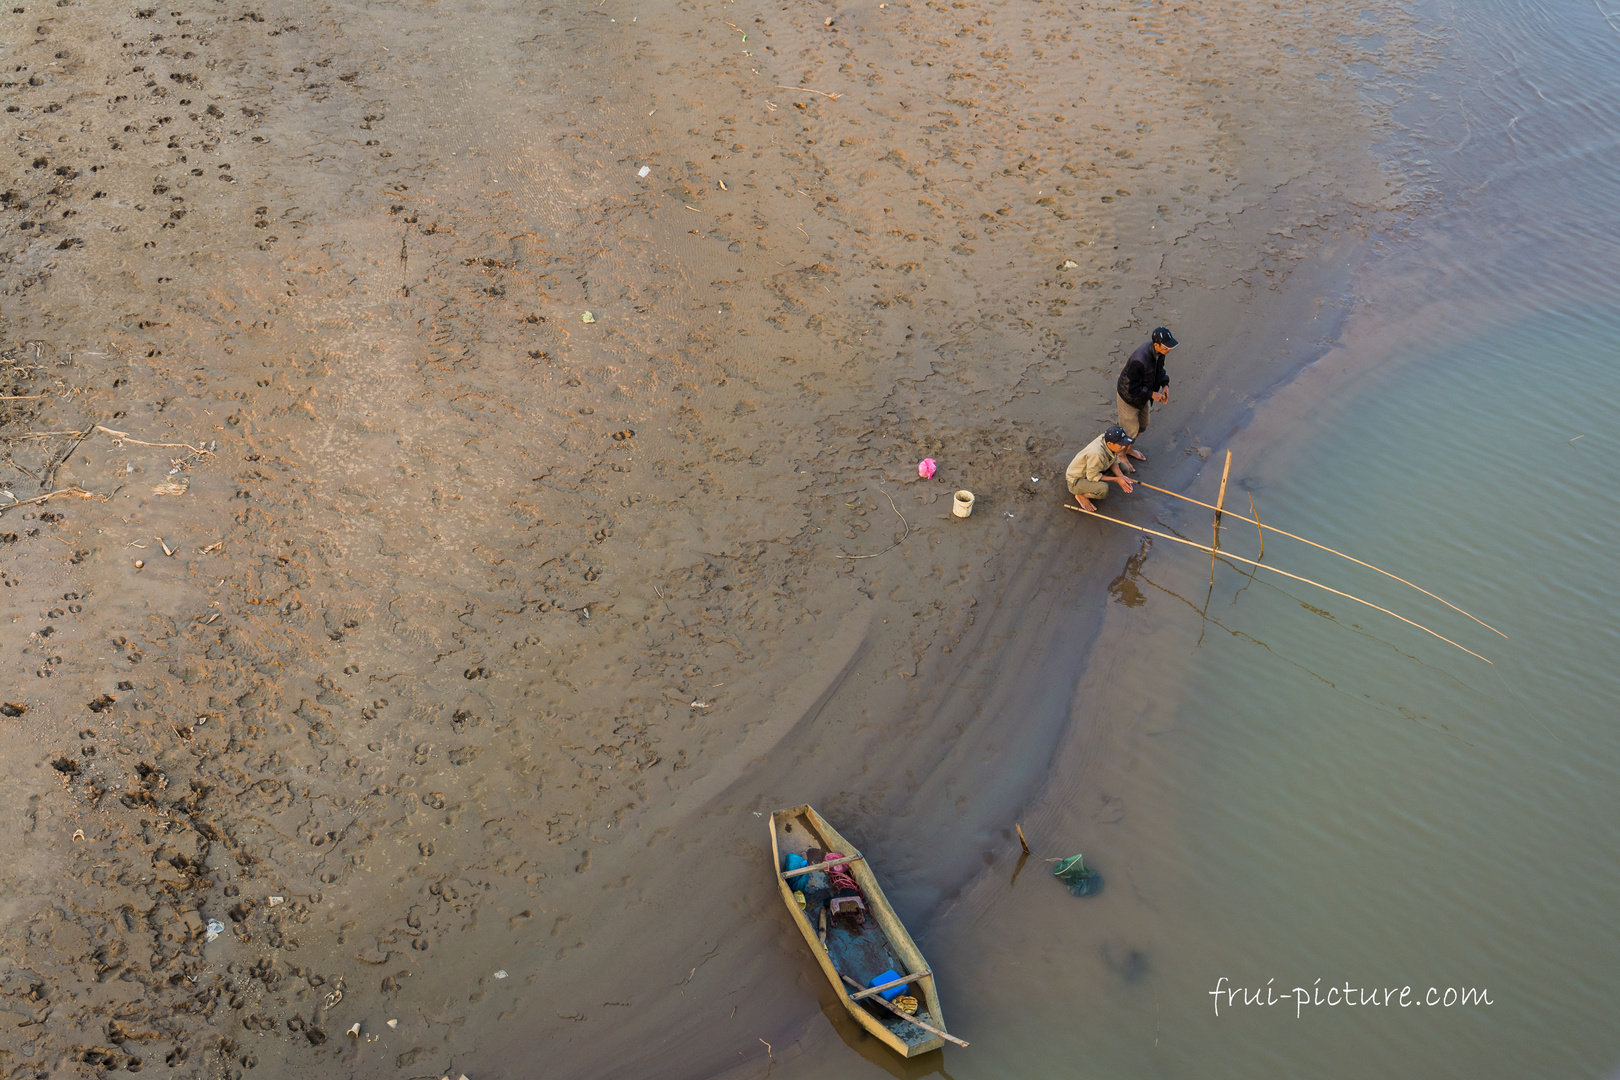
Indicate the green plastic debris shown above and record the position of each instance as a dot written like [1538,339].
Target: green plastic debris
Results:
[1081,880]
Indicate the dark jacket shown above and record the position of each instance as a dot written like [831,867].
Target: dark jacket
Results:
[1143,376]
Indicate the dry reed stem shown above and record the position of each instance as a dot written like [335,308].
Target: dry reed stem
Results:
[72,492]
[118,436]
[807,90]
[1283,532]
[1284,573]
[123,436]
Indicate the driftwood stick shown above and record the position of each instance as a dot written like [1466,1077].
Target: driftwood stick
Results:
[907,1017]
[890,985]
[1021,840]
[1284,573]
[1283,532]
[841,860]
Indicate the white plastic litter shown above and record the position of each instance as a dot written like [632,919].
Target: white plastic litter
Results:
[645,169]
[215,928]
[501,974]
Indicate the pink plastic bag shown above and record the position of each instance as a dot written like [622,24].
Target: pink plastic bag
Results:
[926,467]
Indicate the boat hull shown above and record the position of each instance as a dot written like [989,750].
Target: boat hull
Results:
[904,1039]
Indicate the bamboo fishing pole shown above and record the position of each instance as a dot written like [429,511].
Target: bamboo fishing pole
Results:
[1284,573]
[1255,521]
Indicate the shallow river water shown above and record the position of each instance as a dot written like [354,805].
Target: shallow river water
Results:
[1287,791]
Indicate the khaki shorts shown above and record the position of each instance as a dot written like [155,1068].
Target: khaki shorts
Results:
[1091,489]
[1134,420]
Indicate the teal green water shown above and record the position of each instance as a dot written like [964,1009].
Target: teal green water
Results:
[1284,786]
[1299,788]
[1336,795]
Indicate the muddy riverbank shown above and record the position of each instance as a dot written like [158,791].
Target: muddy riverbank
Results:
[440,643]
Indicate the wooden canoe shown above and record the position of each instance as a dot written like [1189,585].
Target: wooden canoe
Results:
[858,954]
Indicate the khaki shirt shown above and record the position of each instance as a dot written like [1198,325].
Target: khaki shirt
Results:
[1091,463]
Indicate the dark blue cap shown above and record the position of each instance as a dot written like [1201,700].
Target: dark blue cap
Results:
[1116,435]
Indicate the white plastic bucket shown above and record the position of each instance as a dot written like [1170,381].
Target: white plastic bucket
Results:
[962,504]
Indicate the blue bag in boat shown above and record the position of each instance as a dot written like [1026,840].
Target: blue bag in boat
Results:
[794,861]
[892,992]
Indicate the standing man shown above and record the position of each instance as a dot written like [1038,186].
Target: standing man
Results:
[1088,475]
[1143,382]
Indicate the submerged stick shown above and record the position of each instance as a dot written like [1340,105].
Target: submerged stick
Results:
[1284,573]
[1283,532]
[1257,527]
[1215,533]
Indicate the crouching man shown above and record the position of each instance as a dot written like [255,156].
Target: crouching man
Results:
[1097,466]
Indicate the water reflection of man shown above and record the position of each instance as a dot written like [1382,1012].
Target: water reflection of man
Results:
[1141,383]
[1097,466]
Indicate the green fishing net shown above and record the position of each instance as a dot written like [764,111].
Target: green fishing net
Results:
[1081,880]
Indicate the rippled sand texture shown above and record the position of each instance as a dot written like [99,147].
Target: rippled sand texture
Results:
[464,589]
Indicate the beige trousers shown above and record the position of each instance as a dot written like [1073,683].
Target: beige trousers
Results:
[1091,489]
[1132,419]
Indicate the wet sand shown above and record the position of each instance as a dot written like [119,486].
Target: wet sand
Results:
[488,632]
